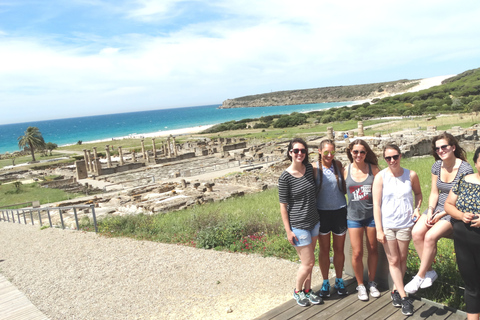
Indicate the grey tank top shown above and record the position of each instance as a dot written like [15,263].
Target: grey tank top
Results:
[360,202]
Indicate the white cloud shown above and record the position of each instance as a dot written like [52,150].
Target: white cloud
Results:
[243,49]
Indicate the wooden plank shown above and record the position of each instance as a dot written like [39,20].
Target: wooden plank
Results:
[417,305]
[350,307]
[15,305]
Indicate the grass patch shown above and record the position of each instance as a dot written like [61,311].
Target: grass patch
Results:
[10,194]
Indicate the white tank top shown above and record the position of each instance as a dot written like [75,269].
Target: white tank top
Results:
[397,200]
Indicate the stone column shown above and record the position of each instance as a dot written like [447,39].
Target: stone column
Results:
[120,155]
[174,144]
[85,156]
[95,162]
[360,129]
[350,134]
[169,152]
[154,149]
[143,151]
[329,132]
[164,149]
[90,160]
[109,158]
[134,156]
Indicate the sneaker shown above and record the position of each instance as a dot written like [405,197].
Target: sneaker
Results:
[396,299]
[340,287]
[430,277]
[325,291]
[407,307]
[362,293]
[301,299]
[313,297]
[414,285]
[373,289]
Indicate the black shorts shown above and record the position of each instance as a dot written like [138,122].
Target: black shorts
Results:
[334,221]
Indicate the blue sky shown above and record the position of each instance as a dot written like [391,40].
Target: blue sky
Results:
[71,58]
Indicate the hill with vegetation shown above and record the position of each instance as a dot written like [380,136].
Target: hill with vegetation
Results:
[321,95]
[458,94]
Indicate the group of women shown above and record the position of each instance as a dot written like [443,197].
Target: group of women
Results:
[380,206]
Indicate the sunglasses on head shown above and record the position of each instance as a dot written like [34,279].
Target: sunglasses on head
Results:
[444,148]
[302,151]
[395,157]
[357,152]
[325,153]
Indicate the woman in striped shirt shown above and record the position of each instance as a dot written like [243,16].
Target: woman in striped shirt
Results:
[296,190]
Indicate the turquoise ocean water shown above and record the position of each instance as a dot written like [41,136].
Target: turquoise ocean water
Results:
[69,131]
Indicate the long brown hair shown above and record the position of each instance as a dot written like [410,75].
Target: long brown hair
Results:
[370,157]
[459,151]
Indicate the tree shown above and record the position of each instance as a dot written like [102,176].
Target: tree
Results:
[32,139]
[51,146]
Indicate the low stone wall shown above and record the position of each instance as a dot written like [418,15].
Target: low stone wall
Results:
[59,183]
[126,167]
[177,158]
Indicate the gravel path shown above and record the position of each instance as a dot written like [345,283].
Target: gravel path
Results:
[77,275]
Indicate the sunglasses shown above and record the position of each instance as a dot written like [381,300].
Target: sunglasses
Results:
[325,153]
[395,157]
[357,152]
[302,151]
[444,148]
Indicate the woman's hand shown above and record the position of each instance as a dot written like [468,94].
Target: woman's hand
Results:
[415,215]
[475,223]
[291,236]
[434,218]
[467,217]
[381,236]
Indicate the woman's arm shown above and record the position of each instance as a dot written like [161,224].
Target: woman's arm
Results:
[377,188]
[451,209]
[432,203]
[417,191]
[286,223]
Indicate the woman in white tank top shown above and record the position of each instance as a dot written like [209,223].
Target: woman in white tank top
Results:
[394,215]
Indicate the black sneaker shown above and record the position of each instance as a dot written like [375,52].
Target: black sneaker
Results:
[325,291]
[407,307]
[301,298]
[396,299]
[340,287]
[313,297]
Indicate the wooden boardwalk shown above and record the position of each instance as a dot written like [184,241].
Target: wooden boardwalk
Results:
[349,307]
[14,305]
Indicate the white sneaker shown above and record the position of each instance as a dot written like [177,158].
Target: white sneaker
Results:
[430,277]
[373,289]
[414,285]
[362,293]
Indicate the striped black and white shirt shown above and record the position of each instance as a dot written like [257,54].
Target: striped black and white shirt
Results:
[299,195]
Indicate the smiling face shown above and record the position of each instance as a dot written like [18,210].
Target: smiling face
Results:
[358,153]
[390,155]
[327,153]
[443,149]
[301,152]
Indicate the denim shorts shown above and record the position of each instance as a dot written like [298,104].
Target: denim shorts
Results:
[305,236]
[369,222]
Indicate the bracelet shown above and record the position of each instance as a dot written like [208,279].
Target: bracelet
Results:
[430,207]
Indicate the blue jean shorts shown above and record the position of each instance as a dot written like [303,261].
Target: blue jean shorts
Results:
[369,222]
[305,236]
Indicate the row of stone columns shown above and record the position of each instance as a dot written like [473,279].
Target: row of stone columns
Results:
[330,134]
[169,149]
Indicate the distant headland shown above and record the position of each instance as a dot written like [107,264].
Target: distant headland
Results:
[332,94]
